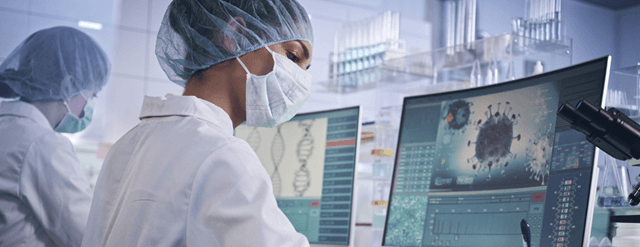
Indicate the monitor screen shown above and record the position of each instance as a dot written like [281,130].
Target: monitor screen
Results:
[472,164]
[311,160]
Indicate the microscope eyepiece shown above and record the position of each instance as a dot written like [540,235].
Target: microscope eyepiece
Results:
[587,110]
[567,112]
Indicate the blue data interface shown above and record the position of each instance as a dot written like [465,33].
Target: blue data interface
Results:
[472,164]
[311,162]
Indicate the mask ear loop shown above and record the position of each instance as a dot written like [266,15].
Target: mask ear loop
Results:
[64,102]
[273,57]
[84,96]
[243,66]
[67,105]
[86,101]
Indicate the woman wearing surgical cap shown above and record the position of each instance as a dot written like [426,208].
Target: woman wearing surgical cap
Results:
[180,177]
[44,196]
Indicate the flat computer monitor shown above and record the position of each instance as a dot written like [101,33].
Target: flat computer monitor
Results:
[472,164]
[311,160]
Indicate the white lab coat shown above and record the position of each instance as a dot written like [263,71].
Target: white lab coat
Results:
[44,195]
[180,178]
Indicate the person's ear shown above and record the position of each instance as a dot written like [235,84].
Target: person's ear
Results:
[229,44]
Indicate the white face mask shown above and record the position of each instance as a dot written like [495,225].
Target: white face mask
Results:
[276,97]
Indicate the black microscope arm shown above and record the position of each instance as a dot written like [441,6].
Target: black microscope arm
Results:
[610,130]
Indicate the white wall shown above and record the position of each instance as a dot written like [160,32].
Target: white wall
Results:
[627,48]
[494,17]
[592,29]
[628,40]
[129,34]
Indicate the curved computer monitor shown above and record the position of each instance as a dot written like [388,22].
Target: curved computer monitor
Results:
[311,160]
[472,164]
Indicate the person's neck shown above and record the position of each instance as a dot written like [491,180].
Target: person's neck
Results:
[215,87]
[54,111]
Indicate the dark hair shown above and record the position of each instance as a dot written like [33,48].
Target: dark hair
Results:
[5,90]
[11,74]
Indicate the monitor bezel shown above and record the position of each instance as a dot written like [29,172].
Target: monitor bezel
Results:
[594,169]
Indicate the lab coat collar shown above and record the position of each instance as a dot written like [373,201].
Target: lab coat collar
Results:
[23,109]
[175,105]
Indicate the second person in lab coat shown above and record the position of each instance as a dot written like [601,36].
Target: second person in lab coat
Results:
[44,195]
[180,177]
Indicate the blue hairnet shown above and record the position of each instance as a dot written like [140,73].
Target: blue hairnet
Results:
[53,64]
[196,34]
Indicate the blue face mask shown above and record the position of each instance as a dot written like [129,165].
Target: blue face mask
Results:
[72,124]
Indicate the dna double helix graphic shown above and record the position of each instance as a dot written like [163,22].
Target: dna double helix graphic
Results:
[302,180]
[254,139]
[277,152]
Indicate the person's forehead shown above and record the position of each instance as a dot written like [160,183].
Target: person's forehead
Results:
[299,41]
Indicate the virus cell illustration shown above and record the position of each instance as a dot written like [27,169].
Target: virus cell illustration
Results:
[539,150]
[457,114]
[254,139]
[302,180]
[541,108]
[277,151]
[493,143]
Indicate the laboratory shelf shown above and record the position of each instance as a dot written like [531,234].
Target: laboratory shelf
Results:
[513,56]
[623,106]
[505,46]
[630,71]
[634,72]
[455,63]
[385,78]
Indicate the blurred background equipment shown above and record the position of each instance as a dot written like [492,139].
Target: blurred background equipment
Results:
[360,47]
